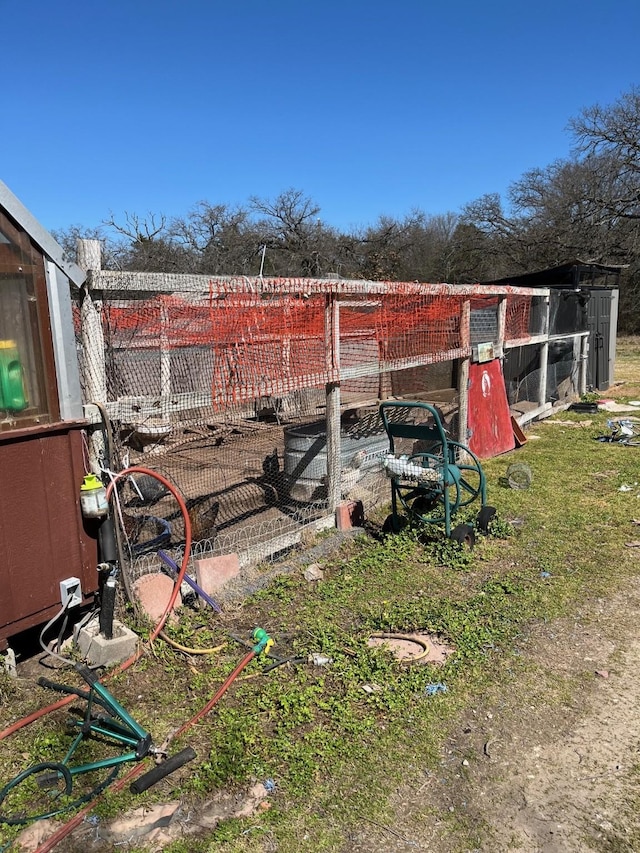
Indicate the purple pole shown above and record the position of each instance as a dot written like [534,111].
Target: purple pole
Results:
[194,586]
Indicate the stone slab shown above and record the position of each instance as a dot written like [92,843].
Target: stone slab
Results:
[212,573]
[153,592]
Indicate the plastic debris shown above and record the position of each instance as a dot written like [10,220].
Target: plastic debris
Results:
[436,687]
[623,431]
[545,575]
[269,786]
[400,466]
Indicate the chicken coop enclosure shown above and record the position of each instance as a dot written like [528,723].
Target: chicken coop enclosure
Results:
[259,397]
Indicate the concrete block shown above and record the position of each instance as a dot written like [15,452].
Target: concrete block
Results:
[212,573]
[153,593]
[349,514]
[98,651]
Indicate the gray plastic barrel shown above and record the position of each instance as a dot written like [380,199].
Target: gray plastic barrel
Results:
[305,456]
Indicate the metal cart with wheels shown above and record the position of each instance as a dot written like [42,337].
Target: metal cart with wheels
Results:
[433,477]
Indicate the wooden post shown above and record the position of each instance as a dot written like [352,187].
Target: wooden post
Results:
[463,374]
[544,355]
[333,424]
[165,354]
[502,322]
[94,373]
[584,362]
[334,466]
[89,254]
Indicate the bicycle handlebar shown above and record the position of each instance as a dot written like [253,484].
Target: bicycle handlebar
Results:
[161,770]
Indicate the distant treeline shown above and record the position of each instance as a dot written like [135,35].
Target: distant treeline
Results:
[586,206]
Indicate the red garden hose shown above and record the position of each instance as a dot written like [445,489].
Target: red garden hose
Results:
[25,721]
[135,771]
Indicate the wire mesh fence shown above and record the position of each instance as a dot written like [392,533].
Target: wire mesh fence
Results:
[530,379]
[221,386]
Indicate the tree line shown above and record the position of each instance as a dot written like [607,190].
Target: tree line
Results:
[585,206]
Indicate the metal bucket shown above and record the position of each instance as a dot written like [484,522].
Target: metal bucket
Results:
[305,456]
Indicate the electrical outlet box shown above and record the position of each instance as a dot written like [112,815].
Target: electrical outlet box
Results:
[70,592]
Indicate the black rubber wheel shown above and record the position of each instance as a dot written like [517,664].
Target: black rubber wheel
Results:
[464,535]
[161,770]
[484,518]
[394,523]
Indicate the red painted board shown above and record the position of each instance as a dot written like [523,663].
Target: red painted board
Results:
[489,415]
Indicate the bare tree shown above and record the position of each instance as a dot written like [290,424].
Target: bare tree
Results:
[147,244]
[137,228]
[220,239]
[291,213]
[112,250]
[289,226]
[609,139]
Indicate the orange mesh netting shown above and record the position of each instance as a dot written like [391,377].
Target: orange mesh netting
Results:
[241,340]
[517,321]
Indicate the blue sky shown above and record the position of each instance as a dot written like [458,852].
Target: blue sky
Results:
[370,108]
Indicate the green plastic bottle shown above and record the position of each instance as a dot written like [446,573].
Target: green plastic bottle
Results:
[13,397]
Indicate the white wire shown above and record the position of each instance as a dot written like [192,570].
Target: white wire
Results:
[46,628]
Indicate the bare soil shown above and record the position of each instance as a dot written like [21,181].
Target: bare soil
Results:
[549,764]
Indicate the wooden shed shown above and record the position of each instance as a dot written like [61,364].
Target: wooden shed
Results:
[43,539]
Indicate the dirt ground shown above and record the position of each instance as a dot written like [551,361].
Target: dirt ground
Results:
[553,764]
[551,769]
[549,766]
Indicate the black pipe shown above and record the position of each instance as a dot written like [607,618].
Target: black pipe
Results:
[107,541]
[107,607]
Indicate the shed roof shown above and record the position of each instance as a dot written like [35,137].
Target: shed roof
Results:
[39,234]
[572,273]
